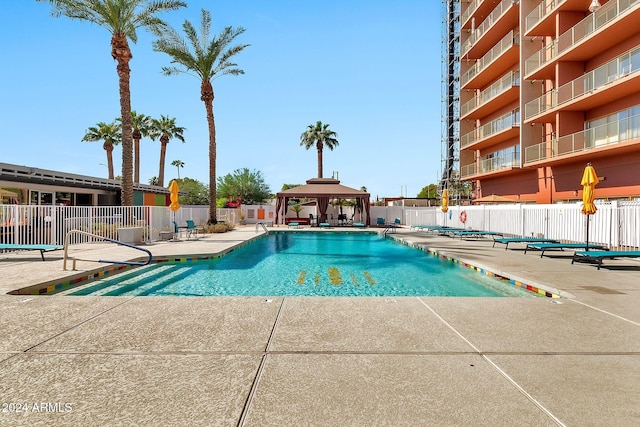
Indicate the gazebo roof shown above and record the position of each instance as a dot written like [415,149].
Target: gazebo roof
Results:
[323,187]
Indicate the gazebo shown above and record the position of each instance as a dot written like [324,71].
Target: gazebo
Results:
[323,190]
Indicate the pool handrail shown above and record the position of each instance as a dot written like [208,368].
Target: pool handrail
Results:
[105,239]
[263,226]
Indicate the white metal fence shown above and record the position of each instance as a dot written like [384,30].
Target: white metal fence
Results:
[27,224]
[615,224]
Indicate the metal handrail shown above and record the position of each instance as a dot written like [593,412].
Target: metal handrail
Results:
[263,226]
[105,239]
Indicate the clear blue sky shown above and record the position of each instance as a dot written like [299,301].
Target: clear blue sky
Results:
[371,69]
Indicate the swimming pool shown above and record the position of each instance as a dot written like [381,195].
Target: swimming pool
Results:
[308,264]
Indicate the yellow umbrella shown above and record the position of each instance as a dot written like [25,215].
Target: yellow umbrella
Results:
[173,187]
[589,181]
[445,200]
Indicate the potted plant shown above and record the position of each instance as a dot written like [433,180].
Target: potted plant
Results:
[243,221]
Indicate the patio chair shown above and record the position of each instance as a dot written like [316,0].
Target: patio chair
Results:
[380,221]
[191,228]
[177,229]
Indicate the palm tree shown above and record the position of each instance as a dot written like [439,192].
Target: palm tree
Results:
[121,18]
[110,134]
[141,125]
[319,135]
[166,129]
[179,164]
[208,57]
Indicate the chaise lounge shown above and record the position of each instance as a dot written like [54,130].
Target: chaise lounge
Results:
[562,246]
[41,248]
[598,256]
[507,240]
[473,234]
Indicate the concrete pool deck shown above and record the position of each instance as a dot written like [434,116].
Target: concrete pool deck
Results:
[322,361]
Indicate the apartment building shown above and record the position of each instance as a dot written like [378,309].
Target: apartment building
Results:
[545,88]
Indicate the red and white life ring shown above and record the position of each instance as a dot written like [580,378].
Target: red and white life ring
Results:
[463,217]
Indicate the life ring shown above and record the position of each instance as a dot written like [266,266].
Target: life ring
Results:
[463,217]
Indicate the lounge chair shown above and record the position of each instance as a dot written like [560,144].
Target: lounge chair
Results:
[358,224]
[41,248]
[598,256]
[293,225]
[448,231]
[507,240]
[325,224]
[562,246]
[421,227]
[474,233]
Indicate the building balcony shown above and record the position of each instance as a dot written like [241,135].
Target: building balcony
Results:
[476,10]
[541,20]
[500,93]
[503,18]
[610,81]
[496,131]
[495,62]
[614,22]
[620,135]
[501,162]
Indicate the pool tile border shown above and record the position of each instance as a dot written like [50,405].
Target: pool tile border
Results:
[513,282]
[67,283]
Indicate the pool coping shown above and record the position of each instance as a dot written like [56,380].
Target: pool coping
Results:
[540,289]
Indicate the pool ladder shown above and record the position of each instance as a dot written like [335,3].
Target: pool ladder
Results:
[388,228]
[264,227]
[105,239]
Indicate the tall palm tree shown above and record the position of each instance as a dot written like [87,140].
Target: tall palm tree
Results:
[179,164]
[110,134]
[121,18]
[208,57]
[141,125]
[165,128]
[319,135]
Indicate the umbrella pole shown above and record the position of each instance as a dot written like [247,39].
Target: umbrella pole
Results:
[587,246]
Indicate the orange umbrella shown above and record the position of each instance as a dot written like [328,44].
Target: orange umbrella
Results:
[445,200]
[173,187]
[589,181]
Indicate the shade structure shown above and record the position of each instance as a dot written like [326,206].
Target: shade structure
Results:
[445,200]
[589,181]
[322,189]
[174,189]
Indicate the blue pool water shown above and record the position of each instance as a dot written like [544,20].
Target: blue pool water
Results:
[309,264]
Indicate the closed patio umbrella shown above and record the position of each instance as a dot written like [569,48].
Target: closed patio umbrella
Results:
[174,206]
[445,200]
[589,181]
[174,189]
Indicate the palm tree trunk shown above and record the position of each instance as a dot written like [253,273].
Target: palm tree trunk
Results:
[122,54]
[164,140]
[319,145]
[136,156]
[206,95]
[109,151]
